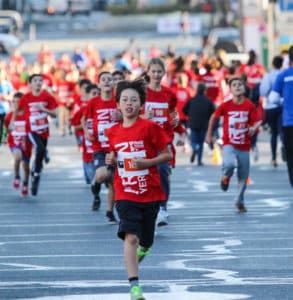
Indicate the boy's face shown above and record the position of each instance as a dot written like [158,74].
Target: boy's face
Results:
[83,89]
[106,82]
[94,93]
[237,88]
[117,78]
[129,103]
[15,101]
[36,83]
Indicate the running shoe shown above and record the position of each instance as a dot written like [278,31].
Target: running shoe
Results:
[136,293]
[111,217]
[162,219]
[241,208]
[47,158]
[142,253]
[35,184]
[96,203]
[192,157]
[24,190]
[16,183]
[283,153]
[225,183]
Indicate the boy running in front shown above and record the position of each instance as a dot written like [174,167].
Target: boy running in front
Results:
[239,125]
[135,144]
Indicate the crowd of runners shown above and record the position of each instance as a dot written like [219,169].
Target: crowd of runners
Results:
[125,113]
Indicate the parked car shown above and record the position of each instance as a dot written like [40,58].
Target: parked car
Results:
[12,20]
[8,43]
[223,38]
[78,7]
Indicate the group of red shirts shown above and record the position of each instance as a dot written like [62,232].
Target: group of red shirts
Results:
[144,138]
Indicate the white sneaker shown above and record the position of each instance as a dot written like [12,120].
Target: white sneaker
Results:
[162,219]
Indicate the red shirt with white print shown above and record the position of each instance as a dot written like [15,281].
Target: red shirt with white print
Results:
[37,120]
[64,91]
[161,103]
[237,118]
[182,95]
[144,139]
[100,111]
[17,137]
[212,81]
[253,72]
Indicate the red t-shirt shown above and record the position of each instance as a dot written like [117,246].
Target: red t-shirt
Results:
[100,111]
[37,120]
[237,118]
[212,81]
[254,73]
[18,136]
[161,103]
[182,95]
[65,90]
[143,139]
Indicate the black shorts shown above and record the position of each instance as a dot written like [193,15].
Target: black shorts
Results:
[99,161]
[139,219]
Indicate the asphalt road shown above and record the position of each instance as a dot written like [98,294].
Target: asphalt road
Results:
[54,247]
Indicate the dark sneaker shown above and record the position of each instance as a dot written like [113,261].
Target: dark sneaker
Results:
[225,183]
[192,157]
[241,208]
[274,163]
[111,218]
[136,293]
[35,184]
[142,253]
[283,153]
[96,203]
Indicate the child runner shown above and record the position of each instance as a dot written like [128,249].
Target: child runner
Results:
[160,107]
[37,105]
[102,110]
[85,145]
[19,145]
[138,147]
[239,125]
[80,100]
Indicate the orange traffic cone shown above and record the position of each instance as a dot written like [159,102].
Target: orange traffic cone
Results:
[217,156]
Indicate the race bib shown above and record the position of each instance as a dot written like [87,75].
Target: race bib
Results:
[19,128]
[101,131]
[38,122]
[160,111]
[125,165]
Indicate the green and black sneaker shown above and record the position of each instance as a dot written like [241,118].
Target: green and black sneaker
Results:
[136,293]
[142,253]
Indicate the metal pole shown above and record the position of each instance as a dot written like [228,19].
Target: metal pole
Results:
[271,31]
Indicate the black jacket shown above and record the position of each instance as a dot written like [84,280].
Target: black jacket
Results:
[199,110]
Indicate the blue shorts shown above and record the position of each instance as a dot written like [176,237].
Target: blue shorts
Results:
[23,156]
